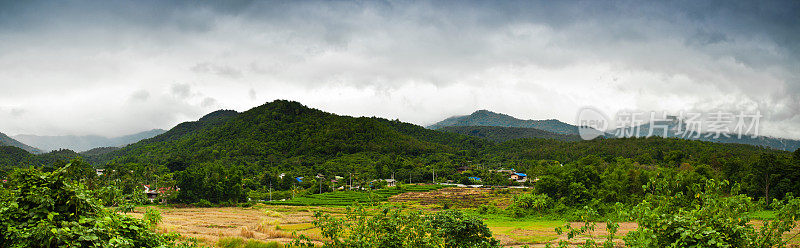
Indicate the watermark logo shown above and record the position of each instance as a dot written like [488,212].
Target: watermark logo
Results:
[591,123]
[594,123]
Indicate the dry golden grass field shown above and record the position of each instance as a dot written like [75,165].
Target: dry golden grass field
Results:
[283,223]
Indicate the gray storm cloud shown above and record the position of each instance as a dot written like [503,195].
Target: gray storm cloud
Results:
[419,61]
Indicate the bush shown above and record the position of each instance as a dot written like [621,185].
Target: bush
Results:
[488,209]
[525,204]
[393,228]
[709,218]
[152,217]
[48,210]
[461,231]
[203,203]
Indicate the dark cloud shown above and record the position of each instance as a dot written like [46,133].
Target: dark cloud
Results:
[401,59]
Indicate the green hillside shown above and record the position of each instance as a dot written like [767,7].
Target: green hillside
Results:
[489,118]
[283,130]
[228,156]
[502,134]
[8,141]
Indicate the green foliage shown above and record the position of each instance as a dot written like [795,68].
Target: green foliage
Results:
[215,183]
[502,134]
[49,210]
[525,204]
[152,217]
[488,209]
[461,231]
[394,228]
[587,229]
[348,198]
[716,215]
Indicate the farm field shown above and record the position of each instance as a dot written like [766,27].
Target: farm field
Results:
[282,223]
[348,198]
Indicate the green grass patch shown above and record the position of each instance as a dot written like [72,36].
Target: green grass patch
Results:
[523,230]
[762,215]
[236,242]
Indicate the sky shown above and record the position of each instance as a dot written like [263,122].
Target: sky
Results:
[118,67]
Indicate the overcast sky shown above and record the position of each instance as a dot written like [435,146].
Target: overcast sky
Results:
[118,67]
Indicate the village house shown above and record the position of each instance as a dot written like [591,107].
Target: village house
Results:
[519,177]
[389,182]
[153,193]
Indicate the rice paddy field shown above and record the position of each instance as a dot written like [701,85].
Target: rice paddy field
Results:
[348,198]
[264,225]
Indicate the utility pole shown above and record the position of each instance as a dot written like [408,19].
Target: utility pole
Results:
[434,176]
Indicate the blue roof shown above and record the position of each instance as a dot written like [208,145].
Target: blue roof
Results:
[299,179]
[521,174]
[475,178]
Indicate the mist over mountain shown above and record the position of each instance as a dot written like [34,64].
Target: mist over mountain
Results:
[672,128]
[84,143]
[489,118]
[484,124]
[8,141]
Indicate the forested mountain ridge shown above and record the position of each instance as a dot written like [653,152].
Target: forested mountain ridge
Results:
[503,134]
[489,118]
[226,154]
[85,142]
[8,141]
[280,130]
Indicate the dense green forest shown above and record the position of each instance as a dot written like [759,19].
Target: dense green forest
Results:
[502,134]
[229,157]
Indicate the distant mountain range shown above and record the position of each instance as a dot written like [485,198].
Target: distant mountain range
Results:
[8,141]
[83,143]
[501,127]
[672,127]
[492,119]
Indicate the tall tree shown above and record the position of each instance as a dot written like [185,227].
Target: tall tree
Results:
[766,171]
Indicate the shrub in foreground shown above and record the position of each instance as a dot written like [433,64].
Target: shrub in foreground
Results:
[48,210]
[397,229]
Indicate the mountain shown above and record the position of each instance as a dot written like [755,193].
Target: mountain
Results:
[489,118]
[502,134]
[8,141]
[286,132]
[84,143]
[673,127]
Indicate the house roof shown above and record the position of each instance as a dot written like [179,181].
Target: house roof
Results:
[299,179]
[475,178]
[521,174]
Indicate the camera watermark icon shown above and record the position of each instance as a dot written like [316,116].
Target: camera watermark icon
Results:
[591,123]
